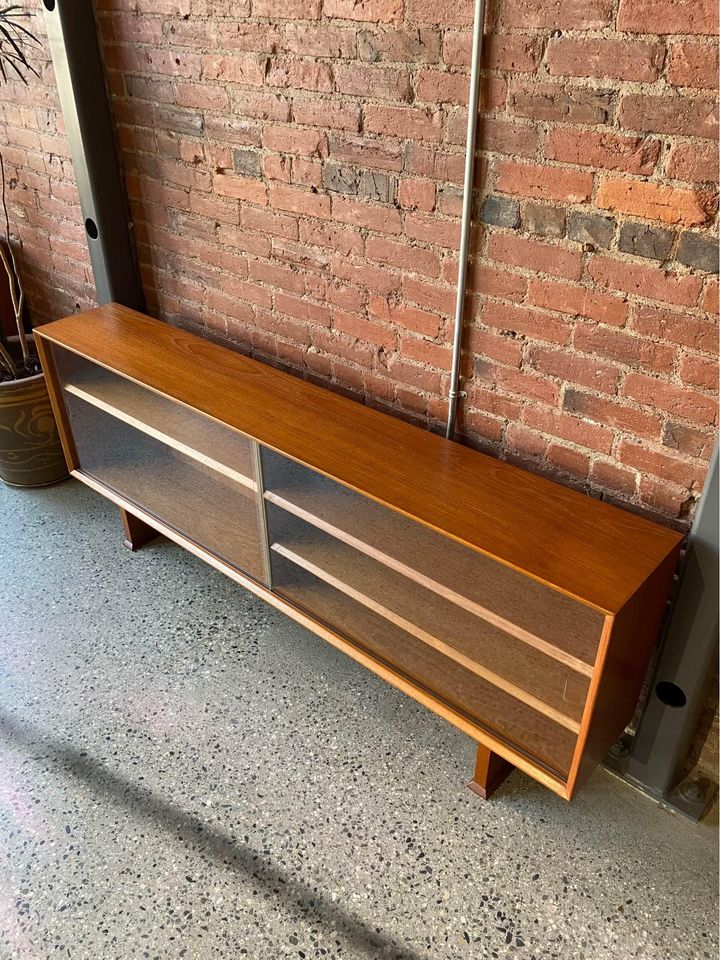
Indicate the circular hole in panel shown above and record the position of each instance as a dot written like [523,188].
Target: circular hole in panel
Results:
[670,694]
[49,5]
[91,227]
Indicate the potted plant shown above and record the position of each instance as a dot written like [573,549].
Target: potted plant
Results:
[30,451]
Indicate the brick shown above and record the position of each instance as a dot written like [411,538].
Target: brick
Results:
[437,298]
[399,46]
[290,9]
[500,212]
[673,16]
[536,256]
[608,475]
[288,139]
[641,61]
[377,186]
[645,240]
[591,228]
[699,371]
[676,327]
[357,326]
[689,440]
[406,318]
[427,11]
[380,219]
[578,301]
[247,163]
[613,413]
[675,116]
[545,183]
[372,11]
[665,498]
[543,220]
[247,70]
[299,75]
[401,254]
[644,281]
[679,401]
[385,155]
[548,101]
[696,162]
[341,179]
[520,54]
[693,65]
[622,347]
[657,201]
[524,321]
[570,461]
[556,14]
[711,302]
[607,150]
[567,427]
[699,251]
[312,40]
[519,383]
[327,113]
[240,188]
[441,86]
[406,123]
[382,83]
[296,200]
[416,194]
[662,465]
[569,367]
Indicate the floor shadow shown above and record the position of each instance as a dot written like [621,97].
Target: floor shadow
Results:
[223,848]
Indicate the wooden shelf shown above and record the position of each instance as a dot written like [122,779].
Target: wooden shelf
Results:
[478,647]
[549,622]
[504,716]
[199,438]
[179,490]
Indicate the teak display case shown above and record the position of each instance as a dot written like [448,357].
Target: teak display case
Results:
[521,611]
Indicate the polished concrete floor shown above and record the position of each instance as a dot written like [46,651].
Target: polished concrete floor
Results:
[186,773]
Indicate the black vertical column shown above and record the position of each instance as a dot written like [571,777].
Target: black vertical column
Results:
[77,60]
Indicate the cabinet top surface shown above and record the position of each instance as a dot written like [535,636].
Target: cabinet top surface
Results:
[595,552]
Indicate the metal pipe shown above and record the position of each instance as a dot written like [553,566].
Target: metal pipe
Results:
[468,189]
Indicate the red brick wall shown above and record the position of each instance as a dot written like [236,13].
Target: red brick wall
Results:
[42,199]
[294,170]
[295,167]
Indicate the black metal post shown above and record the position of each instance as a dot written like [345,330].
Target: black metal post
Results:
[77,60]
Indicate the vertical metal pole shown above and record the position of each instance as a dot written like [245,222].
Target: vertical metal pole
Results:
[77,60]
[465,230]
[686,663]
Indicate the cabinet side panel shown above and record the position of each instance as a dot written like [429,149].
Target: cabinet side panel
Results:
[632,635]
[56,402]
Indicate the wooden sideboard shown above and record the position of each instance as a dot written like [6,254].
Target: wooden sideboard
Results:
[521,611]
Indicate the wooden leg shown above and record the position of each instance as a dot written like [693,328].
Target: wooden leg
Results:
[137,532]
[490,771]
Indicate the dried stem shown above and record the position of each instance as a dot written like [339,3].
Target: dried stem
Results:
[17,294]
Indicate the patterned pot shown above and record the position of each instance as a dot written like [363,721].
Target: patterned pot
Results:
[30,451]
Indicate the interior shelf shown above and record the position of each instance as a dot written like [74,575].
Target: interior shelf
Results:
[543,619]
[190,433]
[503,715]
[177,489]
[500,659]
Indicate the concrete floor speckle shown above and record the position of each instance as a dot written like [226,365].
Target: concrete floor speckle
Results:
[185,773]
